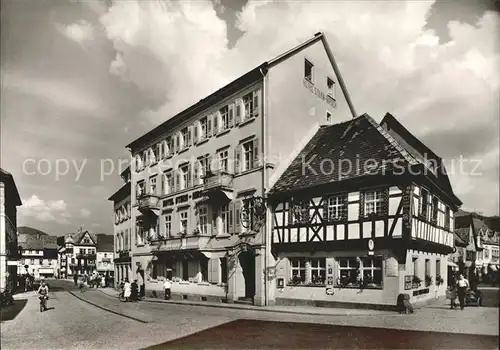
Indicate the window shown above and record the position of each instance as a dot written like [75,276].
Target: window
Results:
[447,218]
[337,208]
[168,184]
[223,160]
[427,267]
[486,253]
[225,215]
[152,185]
[438,267]
[308,71]
[155,153]
[434,210]
[183,215]
[247,214]
[40,261]
[298,271]
[424,202]
[168,147]
[248,155]
[299,212]
[318,271]
[140,188]
[139,233]
[145,157]
[330,86]
[203,220]
[204,167]
[328,117]
[372,271]
[203,128]
[32,261]
[248,106]
[224,118]
[373,203]
[348,271]
[415,266]
[184,175]
[184,138]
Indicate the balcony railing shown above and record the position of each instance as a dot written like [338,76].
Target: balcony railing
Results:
[219,180]
[148,201]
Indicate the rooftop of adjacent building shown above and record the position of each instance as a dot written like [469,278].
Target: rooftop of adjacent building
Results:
[341,152]
[8,180]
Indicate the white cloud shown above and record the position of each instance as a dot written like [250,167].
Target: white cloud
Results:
[55,92]
[177,52]
[85,213]
[42,210]
[79,32]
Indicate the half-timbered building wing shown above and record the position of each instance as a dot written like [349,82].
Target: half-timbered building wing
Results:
[360,207]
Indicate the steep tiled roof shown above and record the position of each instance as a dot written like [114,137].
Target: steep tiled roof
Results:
[78,236]
[347,147]
[105,243]
[461,236]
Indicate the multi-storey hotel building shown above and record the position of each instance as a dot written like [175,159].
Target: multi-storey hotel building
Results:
[199,180]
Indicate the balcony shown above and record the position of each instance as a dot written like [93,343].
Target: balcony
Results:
[148,202]
[218,183]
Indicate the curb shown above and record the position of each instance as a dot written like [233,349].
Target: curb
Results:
[105,309]
[247,308]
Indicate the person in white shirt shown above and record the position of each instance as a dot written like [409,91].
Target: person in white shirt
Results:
[167,285]
[462,285]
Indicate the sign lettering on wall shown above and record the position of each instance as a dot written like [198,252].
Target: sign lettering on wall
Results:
[318,93]
[408,282]
[329,280]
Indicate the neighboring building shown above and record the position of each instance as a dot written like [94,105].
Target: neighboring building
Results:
[364,213]
[468,254]
[9,251]
[122,230]
[105,265]
[78,256]
[39,254]
[198,179]
[490,255]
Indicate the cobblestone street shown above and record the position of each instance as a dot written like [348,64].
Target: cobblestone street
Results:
[94,319]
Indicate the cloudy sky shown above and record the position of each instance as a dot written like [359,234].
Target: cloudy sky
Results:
[81,79]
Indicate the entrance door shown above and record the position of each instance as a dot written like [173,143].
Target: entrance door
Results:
[247,263]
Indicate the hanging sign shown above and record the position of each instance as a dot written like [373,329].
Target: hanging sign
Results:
[371,245]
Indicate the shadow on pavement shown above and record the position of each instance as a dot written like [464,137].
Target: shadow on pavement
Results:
[10,312]
[255,334]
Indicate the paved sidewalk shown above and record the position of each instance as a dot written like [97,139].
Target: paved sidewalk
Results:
[303,310]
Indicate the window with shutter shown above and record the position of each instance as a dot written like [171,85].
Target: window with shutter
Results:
[237,159]
[196,173]
[231,116]
[256,154]
[209,125]
[189,176]
[238,111]
[175,143]
[216,123]
[256,103]
[177,180]
[196,128]
[189,136]
[231,219]
[237,221]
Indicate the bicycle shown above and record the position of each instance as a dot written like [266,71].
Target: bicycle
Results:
[43,302]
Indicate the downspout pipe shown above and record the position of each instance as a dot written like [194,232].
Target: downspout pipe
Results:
[265,179]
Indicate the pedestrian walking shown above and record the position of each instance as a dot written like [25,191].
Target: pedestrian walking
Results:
[167,285]
[451,293]
[127,290]
[462,285]
[75,278]
[134,290]
[103,282]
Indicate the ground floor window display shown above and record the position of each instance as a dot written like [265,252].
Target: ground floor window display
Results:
[359,278]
